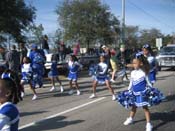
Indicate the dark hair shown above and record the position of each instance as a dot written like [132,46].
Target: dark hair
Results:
[145,67]
[12,83]
[14,47]
[148,47]
[28,59]
[74,58]
[54,57]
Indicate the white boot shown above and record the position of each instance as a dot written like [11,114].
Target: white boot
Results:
[52,89]
[92,96]
[78,92]
[34,97]
[62,89]
[128,121]
[149,127]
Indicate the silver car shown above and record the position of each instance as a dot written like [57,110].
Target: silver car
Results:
[166,56]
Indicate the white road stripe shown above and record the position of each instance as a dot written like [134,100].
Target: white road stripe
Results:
[61,113]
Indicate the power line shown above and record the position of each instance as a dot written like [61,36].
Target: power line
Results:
[150,15]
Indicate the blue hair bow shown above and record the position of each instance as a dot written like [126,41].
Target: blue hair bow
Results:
[146,46]
[137,55]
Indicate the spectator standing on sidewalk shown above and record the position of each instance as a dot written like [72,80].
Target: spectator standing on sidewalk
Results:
[62,50]
[13,60]
[45,45]
[23,52]
[76,49]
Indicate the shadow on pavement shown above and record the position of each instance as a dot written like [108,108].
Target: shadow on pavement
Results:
[22,114]
[165,118]
[52,124]
[169,98]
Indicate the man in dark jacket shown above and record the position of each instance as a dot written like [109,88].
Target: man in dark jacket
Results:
[13,59]
[45,45]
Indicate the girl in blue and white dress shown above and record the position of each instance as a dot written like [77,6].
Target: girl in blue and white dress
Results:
[26,71]
[139,83]
[53,73]
[101,77]
[147,52]
[74,67]
[9,114]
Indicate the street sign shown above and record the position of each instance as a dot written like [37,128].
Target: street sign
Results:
[158,43]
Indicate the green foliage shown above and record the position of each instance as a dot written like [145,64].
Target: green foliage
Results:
[136,37]
[37,32]
[149,36]
[15,16]
[131,34]
[88,21]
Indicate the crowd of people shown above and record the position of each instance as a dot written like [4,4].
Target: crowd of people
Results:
[143,76]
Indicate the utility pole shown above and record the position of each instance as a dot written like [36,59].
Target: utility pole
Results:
[123,22]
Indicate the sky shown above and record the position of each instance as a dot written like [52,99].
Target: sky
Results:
[146,14]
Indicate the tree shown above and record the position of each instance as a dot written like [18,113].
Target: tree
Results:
[168,39]
[37,32]
[15,16]
[149,36]
[131,34]
[88,21]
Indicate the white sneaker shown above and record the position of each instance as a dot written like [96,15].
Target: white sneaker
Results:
[113,81]
[22,94]
[149,127]
[52,89]
[128,121]
[62,89]
[71,92]
[92,96]
[113,97]
[34,97]
[78,92]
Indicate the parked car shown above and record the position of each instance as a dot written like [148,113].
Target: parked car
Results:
[88,59]
[166,56]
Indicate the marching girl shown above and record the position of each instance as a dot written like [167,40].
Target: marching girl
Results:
[9,113]
[53,74]
[147,52]
[138,84]
[74,67]
[26,71]
[101,77]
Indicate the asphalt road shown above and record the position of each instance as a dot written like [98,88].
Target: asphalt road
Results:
[54,111]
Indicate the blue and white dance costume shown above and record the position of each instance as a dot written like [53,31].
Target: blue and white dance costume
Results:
[138,85]
[26,70]
[140,92]
[101,75]
[53,71]
[73,70]
[152,72]
[9,117]
[93,70]
[37,68]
